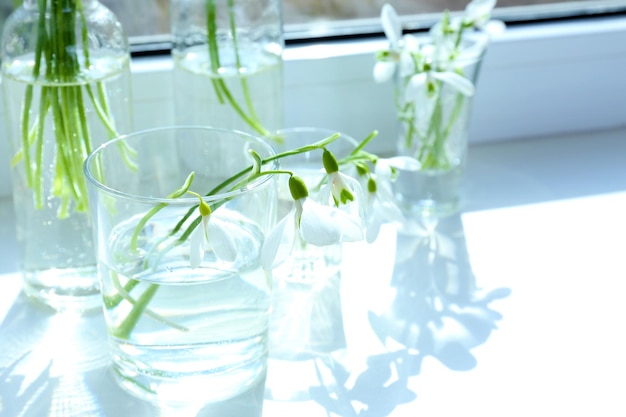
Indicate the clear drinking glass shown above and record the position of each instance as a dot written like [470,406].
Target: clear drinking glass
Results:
[186,301]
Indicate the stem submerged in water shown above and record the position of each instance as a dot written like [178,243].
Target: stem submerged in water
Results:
[182,231]
[224,95]
[62,33]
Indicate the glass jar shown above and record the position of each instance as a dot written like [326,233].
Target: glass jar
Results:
[66,87]
[228,67]
[433,127]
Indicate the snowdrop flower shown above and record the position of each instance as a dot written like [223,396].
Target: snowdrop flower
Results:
[398,57]
[478,12]
[424,82]
[212,233]
[380,206]
[478,15]
[386,168]
[437,61]
[315,223]
[341,187]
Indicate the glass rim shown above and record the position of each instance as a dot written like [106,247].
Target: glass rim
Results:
[327,132]
[247,188]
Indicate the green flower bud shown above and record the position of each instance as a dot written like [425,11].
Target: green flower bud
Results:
[371,185]
[297,188]
[204,208]
[330,162]
[362,169]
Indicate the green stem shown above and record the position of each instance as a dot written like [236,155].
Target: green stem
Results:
[123,294]
[405,108]
[364,142]
[111,301]
[182,190]
[233,182]
[125,328]
[303,149]
[221,89]
[244,81]
[214,55]
[57,46]
[427,154]
[433,154]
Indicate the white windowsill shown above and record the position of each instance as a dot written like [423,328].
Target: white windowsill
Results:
[536,81]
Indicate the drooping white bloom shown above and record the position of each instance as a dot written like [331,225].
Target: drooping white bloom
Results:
[386,168]
[316,224]
[343,188]
[380,206]
[478,12]
[398,57]
[213,234]
[478,15]
[423,83]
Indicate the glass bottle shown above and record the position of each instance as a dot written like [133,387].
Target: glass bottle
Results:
[228,68]
[66,87]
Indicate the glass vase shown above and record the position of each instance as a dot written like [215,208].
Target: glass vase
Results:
[228,68]
[186,300]
[66,87]
[433,127]
[306,297]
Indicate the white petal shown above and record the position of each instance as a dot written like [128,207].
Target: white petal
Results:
[350,226]
[406,163]
[391,210]
[457,81]
[196,246]
[391,24]
[473,52]
[349,183]
[429,51]
[221,239]
[416,85]
[494,28]
[477,9]
[374,221]
[384,71]
[407,66]
[372,231]
[318,226]
[279,242]
[410,43]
